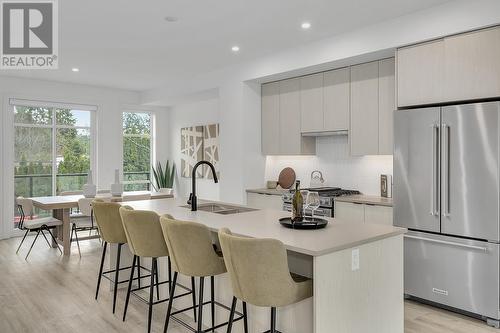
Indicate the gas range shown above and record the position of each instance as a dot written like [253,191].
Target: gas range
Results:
[327,196]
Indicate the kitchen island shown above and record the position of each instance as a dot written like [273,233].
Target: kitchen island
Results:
[357,270]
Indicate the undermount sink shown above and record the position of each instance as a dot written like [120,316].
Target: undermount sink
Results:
[221,208]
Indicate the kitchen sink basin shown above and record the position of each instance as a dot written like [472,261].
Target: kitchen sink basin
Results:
[222,209]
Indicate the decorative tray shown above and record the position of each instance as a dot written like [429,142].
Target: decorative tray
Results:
[306,223]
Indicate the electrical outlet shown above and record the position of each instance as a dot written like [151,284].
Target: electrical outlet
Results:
[355,260]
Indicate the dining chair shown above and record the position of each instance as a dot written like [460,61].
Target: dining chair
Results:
[83,222]
[38,225]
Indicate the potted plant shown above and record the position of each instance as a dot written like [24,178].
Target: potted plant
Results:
[164,177]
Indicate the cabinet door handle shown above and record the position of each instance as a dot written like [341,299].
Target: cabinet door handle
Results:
[467,246]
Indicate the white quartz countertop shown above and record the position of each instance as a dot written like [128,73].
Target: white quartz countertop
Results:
[336,236]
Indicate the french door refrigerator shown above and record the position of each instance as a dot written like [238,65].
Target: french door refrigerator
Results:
[446,192]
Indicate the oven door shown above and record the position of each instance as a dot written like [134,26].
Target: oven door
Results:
[321,211]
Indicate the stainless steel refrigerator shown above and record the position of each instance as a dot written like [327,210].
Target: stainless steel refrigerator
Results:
[446,192]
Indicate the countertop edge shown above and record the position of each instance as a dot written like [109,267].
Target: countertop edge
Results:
[366,199]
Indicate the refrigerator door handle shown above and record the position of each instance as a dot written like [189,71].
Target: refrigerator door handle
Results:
[446,169]
[473,247]
[435,131]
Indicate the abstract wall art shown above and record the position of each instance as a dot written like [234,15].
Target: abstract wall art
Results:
[191,150]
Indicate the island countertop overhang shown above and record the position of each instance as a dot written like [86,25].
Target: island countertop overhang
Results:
[264,223]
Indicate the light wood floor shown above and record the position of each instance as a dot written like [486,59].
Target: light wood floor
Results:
[51,293]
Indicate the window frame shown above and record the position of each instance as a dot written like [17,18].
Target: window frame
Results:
[54,127]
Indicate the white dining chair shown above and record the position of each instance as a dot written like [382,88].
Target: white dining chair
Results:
[84,222]
[38,225]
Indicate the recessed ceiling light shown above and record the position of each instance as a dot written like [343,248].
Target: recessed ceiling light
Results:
[305,25]
[171,18]
[235,48]
[74,69]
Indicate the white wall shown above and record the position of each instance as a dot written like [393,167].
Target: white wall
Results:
[338,167]
[192,114]
[110,102]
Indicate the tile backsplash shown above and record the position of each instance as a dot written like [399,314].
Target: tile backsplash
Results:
[338,167]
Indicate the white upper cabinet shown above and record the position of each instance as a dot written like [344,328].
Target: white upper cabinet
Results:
[457,68]
[420,74]
[363,135]
[387,105]
[472,65]
[289,123]
[270,118]
[336,99]
[311,103]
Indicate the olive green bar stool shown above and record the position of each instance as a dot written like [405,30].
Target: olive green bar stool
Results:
[109,222]
[145,239]
[193,254]
[260,275]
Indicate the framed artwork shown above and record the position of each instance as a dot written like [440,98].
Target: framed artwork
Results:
[191,150]
[211,149]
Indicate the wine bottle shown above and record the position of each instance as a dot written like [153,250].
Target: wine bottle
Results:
[297,204]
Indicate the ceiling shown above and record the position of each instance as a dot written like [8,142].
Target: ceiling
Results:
[130,45]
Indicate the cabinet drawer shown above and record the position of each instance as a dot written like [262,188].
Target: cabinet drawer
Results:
[456,272]
[378,214]
[264,201]
[350,212]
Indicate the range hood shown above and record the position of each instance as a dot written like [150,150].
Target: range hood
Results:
[328,133]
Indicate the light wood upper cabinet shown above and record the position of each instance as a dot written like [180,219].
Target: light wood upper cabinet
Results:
[472,65]
[270,118]
[463,67]
[387,105]
[289,123]
[420,74]
[281,130]
[336,99]
[364,109]
[311,103]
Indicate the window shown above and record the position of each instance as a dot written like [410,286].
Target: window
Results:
[137,150]
[52,149]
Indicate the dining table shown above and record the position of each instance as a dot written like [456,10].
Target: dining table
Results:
[61,206]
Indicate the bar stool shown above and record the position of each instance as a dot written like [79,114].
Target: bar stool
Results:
[145,239]
[107,217]
[192,254]
[259,274]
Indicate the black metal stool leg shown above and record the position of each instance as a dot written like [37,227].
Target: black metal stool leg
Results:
[100,269]
[169,308]
[169,274]
[273,320]
[151,293]
[129,286]
[54,240]
[200,305]
[139,271]
[117,275]
[212,300]
[245,317]
[231,316]
[157,281]
[193,294]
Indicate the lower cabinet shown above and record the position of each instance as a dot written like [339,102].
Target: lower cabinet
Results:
[264,201]
[360,213]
